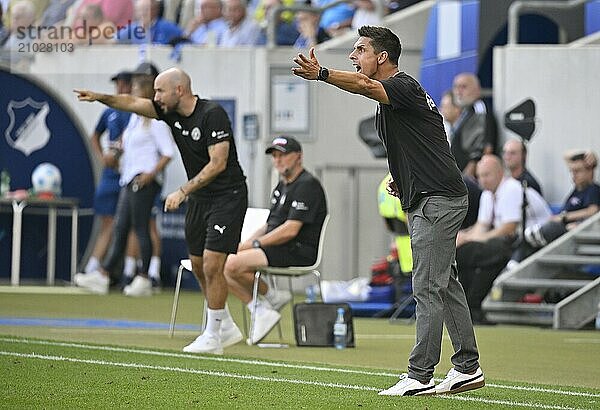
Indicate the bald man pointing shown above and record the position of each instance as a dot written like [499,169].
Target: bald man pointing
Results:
[216,190]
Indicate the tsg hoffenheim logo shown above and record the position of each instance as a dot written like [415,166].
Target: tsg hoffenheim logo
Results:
[27,130]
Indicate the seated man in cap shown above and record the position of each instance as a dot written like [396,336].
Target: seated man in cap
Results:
[290,237]
[582,202]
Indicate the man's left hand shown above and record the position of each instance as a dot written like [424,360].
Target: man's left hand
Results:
[174,199]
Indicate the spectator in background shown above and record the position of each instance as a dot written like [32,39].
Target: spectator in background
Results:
[582,202]
[56,12]
[286,32]
[153,27]
[450,112]
[475,131]
[95,22]
[39,6]
[208,24]
[118,12]
[3,31]
[107,193]
[514,154]
[484,250]
[366,13]
[15,51]
[335,20]
[241,29]
[290,237]
[311,33]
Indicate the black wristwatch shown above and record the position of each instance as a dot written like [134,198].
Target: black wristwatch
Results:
[323,74]
[256,244]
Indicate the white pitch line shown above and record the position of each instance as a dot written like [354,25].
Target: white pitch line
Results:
[509,403]
[197,357]
[184,370]
[262,378]
[582,341]
[275,364]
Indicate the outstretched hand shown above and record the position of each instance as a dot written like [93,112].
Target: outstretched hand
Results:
[85,95]
[309,66]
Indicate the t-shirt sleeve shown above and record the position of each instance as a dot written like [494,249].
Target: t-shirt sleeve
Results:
[102,122]
[218,126]
[162,138]
[484,215]
[305,203]
[399,92]
[124,118]
[593,196]
[509,207]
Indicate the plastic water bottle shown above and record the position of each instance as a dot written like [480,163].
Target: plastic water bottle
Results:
[598,318]
[339,330]
[311,294]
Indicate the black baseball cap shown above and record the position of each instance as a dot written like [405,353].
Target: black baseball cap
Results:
[145,68]
[122,75]
[285,144]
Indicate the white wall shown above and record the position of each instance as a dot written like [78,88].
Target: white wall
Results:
[565,85]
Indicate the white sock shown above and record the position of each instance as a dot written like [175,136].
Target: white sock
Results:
[154,269]
[92,265]
[129,267]
[214,318]
[227,320]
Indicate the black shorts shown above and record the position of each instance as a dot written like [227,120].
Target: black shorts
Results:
[216,223]
[290,254]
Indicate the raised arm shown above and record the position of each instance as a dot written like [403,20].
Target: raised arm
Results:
[122,102]
[355,83]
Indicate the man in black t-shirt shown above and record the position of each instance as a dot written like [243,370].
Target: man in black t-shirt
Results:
[431,190]
[290,237]
[216,190]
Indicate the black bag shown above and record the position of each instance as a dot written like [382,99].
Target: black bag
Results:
[313,323]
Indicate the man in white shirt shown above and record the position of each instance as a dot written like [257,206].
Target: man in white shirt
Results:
[483,250]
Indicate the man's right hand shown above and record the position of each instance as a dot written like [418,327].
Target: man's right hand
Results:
[86,95]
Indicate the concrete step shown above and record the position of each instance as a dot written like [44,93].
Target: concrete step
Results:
[590,250]
[588,237]
[569,260]
[490,306]
[536,283]
[523,318]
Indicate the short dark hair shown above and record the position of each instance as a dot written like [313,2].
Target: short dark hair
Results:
[383,39]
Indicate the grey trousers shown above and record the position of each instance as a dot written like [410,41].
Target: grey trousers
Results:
[440,297]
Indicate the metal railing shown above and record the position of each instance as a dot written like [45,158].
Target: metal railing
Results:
[518,7]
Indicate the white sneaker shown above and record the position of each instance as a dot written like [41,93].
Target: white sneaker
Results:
[409,387]
[230,334]
[456,382]
[205,343]
[281,298]
[95,282]
[140,286]
[264,321]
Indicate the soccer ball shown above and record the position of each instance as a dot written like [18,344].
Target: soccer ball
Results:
[46,178]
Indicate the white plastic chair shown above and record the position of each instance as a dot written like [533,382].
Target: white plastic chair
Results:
[290,272]
[254,219]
